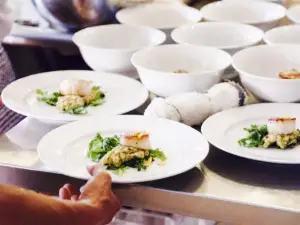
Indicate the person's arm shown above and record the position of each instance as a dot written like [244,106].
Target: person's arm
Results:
[96,206]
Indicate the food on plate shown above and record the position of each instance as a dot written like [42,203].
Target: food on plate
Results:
[137,140]
[70,103]
[180,71]
[75,87]
[281,125]
[280,133]
[74,96]
[290,74]
[119,153]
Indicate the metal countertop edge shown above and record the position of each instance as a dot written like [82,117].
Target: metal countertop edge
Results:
[205,207]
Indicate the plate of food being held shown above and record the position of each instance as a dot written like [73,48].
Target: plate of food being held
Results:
[131,148]
[66,96]
[268,132]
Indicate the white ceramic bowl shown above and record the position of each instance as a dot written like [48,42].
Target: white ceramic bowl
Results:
[230,37]
[283,35]
[109,48]
[156,67]
[259,69]
[262,14]
[282,2]
[163,16]
[293,14]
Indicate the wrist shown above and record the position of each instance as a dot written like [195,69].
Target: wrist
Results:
[81,213]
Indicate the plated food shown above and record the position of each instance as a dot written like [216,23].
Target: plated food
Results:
[64,96]
[280,132]
[130,148]
[270,136]
[181,71]
[120,153]
[74,96]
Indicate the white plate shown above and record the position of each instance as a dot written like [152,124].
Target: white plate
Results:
[122,94]
[64,149]
[224,129]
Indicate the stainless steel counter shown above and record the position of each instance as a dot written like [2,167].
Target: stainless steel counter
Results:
[227,188]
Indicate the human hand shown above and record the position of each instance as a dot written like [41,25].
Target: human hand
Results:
[96,193]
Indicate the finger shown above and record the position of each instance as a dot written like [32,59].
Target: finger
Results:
[64,194]
[98,186]
[96,181]
[71,188]
[103,181]
[74,198]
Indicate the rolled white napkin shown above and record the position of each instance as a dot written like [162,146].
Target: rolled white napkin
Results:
[193,107]
[223,96]
[161,109]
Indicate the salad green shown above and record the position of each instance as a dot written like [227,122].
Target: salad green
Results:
[258,136]
[255,137]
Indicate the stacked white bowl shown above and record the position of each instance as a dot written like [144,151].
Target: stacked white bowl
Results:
[259,69]
[293,14]
[282,2]
[168,70]
[109,48]
[289,34]
[203,50]
[165,15]
[262,14]
[228,36]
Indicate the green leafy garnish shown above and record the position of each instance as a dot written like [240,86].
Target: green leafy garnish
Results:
[95,88]
[98,100]
[78,111]
[99,146]
[157,154]
[50,98]
[255,136]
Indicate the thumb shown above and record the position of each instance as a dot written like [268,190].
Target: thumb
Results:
[94,169]
[96,188]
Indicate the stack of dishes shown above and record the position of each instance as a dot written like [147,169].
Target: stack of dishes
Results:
[137,148]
